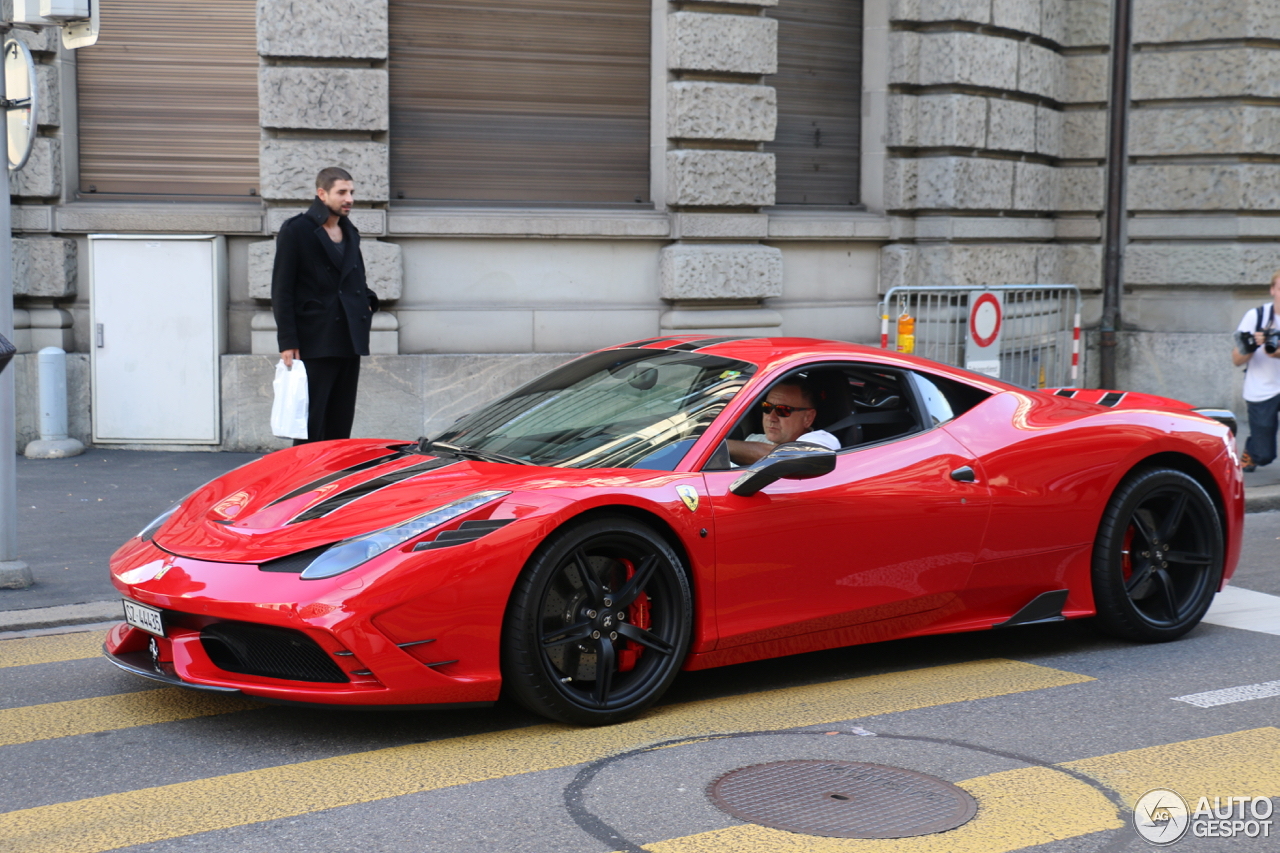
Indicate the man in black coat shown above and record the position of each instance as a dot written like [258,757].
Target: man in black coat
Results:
[322,306]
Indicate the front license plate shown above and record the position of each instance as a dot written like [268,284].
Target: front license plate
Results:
[141,616]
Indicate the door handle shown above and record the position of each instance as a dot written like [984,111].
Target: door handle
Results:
[964,475]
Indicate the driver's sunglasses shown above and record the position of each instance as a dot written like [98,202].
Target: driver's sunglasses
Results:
[781,410]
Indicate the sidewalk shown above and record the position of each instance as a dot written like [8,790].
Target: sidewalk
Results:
[74,513]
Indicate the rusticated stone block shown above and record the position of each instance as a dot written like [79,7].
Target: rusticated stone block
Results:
[1084,134]
[1175,20]
[1041,71]
[965,183]
[44,267]
[1053,20]
[1205,130]
[901,184]
[1087,22]
[1035,187]
[1016,15]
[1086,78]
[968,265]
[288,167]
[1050,125]
[1080,188]
[969,59]
[700,110]
[1070,263]
[975,11]
[323,98]
[354,29]
[384,272]
[43,40]
[1243,186]
[904,57]
[720,271]
[953,121]
[1208,73]
[41,177]
[49,96]
[902,121]
[730,43]
[1012,125]
[898,266]
[701,178]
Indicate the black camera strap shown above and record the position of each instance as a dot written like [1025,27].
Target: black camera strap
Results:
[1258,325]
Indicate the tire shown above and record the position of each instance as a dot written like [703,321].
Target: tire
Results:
[563,631]
[1158,558]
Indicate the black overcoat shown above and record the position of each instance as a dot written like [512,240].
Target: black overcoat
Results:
[316,285]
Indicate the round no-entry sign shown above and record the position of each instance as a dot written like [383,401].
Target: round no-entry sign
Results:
[985,317]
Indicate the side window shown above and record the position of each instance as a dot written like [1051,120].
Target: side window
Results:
[858,404]
[945,399]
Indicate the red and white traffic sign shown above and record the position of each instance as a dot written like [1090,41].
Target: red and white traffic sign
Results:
[986,318]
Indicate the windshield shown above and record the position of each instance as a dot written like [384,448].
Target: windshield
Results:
[613,409]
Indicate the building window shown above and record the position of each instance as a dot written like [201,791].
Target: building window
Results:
[819,84]
[168,101]
[520,100]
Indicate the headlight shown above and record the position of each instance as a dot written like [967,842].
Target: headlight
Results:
[345,556]
[150,530]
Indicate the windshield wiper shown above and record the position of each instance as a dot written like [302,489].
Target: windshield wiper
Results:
[425,445]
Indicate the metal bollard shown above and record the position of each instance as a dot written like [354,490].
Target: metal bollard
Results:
[54,443]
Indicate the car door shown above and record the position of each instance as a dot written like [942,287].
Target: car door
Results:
[892,531]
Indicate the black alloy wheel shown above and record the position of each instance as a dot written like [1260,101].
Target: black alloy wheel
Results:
[598,625]
[1158,558]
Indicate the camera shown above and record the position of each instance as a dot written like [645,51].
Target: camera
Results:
[1248,344]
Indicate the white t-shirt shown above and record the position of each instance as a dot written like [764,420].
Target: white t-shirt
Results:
[818,436]
[1262,372]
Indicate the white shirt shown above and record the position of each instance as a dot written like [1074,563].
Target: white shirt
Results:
[1262,372]
[818,436]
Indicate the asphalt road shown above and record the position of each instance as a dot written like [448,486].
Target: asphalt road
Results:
[1053,730]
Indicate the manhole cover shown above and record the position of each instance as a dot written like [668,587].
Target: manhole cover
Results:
[842,799]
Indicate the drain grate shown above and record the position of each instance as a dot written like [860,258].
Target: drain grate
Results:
[842,799]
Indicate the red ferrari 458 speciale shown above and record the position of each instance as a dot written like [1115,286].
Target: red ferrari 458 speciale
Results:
[585,538]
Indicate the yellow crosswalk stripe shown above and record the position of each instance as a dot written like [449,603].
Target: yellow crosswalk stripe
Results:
[173,811]
[1036,805]
[53,649]
[107,713]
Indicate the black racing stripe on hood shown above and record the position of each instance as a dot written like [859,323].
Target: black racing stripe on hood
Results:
[338,475]
[637,344]
[702,344]
[368,487]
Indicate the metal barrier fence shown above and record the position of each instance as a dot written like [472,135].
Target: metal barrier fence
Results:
[1039,335]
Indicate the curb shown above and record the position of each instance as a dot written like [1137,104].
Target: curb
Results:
[57,617]
[1262,499]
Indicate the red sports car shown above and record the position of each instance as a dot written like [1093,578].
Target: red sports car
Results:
[681,503]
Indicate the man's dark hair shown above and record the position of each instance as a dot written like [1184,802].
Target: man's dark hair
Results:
[328,177]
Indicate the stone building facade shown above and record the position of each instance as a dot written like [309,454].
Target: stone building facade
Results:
[981,130]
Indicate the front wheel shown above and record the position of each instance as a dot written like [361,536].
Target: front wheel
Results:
[1158,557]
[598,625]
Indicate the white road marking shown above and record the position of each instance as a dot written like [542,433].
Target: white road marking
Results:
[1228,695]
[1246,609]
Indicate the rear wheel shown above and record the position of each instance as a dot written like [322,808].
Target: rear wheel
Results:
[598,625]
[1158,558]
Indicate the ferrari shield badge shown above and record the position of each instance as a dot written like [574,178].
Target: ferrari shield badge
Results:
[689,495]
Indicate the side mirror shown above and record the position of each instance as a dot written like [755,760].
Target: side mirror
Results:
[795,460]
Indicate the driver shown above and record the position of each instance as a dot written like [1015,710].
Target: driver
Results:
[788,415]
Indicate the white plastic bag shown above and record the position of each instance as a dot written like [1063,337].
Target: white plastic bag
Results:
[289,408]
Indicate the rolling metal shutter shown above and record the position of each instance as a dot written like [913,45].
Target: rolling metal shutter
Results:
[819,84]
[168,100]
[520,100]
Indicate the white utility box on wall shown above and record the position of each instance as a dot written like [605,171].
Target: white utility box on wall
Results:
[157,307]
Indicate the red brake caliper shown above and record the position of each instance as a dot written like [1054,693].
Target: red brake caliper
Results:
[638,615]
[1126,554]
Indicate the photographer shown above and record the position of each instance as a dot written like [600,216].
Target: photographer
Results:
[1258,349]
